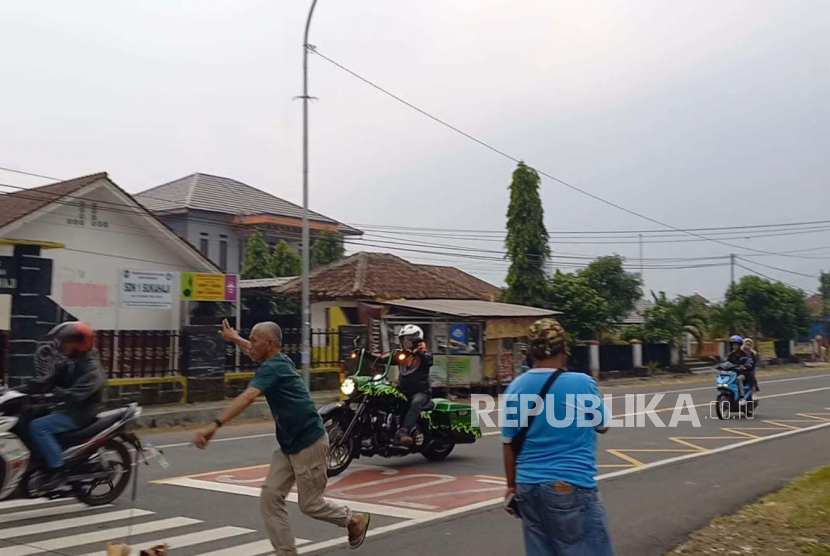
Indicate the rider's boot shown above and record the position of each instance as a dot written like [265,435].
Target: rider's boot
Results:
[402,438]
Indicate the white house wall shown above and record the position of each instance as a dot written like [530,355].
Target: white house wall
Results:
[96,255]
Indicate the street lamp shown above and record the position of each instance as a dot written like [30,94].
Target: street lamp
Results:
[306,298]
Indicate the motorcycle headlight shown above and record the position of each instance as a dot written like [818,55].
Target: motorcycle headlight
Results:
[721,385]
[348,386]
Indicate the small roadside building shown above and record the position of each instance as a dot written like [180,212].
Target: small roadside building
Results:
[476,338]
[475,342]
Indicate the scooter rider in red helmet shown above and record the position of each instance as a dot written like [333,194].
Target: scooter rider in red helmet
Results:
[77,384]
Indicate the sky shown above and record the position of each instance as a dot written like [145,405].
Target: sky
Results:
[695,114]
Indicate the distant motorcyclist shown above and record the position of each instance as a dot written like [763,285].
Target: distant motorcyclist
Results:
[78,386]
[751,363]
[414,379]
[745,363]
[735,355]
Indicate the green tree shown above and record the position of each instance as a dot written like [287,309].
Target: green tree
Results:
[777,310]
[585,312]
[824,289]
[730,318]
[620,289]
[668,320]
[327,249]
[662,323]
[256,263]
[285,261]
[527,240]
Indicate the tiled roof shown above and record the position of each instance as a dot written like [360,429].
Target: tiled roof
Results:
[473,308]
[224,195]
[814,302]
[14,206]
[380,276]
[486,289]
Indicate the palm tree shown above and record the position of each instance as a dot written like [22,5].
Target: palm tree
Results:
[681,315]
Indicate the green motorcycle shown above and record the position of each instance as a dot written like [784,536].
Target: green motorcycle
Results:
[365,422]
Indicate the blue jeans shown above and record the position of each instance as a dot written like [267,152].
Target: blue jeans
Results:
[563,524]
[44,430]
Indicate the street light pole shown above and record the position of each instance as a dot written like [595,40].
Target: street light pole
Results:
[306,298]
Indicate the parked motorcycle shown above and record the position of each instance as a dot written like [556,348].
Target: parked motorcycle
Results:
[365,422]
[728,400]
[98,460]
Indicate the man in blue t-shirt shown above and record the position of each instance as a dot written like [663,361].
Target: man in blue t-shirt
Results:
[553,476]
[303,441]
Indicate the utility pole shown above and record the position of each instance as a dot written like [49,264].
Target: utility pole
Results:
[641,257]
[306,297]
[732,267]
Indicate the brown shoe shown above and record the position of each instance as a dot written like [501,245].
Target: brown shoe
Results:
[356,539]
[402,438]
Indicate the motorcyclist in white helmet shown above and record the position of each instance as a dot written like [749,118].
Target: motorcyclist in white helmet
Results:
[414,379]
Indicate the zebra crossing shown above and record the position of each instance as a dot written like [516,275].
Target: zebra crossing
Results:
[65,527]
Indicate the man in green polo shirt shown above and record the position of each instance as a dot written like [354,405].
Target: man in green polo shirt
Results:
[304,444]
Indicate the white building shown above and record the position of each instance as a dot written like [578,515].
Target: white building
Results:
[104,232]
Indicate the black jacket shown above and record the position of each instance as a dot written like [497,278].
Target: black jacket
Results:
[742,359]
[79,386]
[414,373]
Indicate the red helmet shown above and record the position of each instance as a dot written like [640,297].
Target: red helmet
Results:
[81,332]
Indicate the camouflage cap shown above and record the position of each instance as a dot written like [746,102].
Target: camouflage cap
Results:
[547,339]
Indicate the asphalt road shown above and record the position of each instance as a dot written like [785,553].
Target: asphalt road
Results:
[658,485]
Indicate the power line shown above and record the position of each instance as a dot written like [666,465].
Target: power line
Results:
[762,275]
[517,160]
[633,233]
[780,269]
[62,199]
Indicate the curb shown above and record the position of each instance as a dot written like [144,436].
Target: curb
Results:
[159,417]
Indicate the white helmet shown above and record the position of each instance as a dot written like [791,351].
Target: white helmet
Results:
[410,331]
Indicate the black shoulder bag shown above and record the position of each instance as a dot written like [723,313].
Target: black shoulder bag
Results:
[518,441]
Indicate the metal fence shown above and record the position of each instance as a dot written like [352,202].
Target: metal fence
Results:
[614,357]
[325,349]
[139,353]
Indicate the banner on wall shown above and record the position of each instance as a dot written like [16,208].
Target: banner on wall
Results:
[146,289]
[767,349]
[203,286]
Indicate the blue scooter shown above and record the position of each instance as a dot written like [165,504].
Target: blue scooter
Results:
[729,398]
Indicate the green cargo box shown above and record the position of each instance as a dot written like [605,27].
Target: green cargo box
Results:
[461,420]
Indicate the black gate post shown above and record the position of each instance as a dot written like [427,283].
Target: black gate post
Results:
[28,322]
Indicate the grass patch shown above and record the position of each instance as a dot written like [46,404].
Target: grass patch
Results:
[794,520]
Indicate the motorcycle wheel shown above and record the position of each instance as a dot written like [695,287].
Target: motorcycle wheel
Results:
[438,450]
[724,400]
[116,459]
[340,456]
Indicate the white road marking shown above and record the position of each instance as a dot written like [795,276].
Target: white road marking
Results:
[189,539]
[292,497]
[60,524]
[24,502]
[96,536]
[43,512]
[702,404]
[251,549]
[231,439]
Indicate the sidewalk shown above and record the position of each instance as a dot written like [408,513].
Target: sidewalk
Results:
[172,415]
